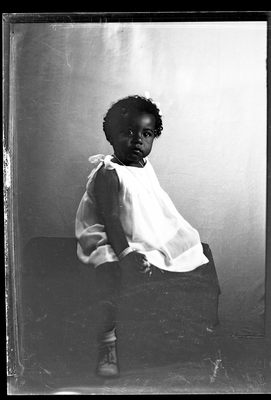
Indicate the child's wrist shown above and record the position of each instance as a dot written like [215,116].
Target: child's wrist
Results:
[125,252]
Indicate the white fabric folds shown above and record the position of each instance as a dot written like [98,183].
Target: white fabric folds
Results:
[150,220]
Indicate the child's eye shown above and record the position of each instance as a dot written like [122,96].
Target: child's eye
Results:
[129,132]
[147,134]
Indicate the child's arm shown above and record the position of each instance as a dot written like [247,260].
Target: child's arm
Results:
[107,196]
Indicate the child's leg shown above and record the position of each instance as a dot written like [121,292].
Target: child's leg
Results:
[107,293]
[107,290]
[110,280]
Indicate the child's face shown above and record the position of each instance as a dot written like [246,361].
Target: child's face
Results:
[133,138]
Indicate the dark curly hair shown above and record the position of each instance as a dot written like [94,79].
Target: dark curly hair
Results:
[130,105]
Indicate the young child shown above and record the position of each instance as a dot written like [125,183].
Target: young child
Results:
[126,221]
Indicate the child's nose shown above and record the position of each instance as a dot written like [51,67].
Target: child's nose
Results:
[138,137]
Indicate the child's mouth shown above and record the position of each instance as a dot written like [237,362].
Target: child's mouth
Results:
[137,151]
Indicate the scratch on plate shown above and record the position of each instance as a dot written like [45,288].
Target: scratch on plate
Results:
[53,48]
[45,370]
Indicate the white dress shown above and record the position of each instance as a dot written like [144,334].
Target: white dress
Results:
[150,221]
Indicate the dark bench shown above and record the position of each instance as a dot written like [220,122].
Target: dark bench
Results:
[57,308]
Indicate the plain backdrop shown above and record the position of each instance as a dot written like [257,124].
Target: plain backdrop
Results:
[209,79]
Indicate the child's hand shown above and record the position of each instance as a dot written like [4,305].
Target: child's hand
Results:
[138,259]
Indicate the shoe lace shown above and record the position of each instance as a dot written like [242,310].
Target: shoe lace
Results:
[108,354]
